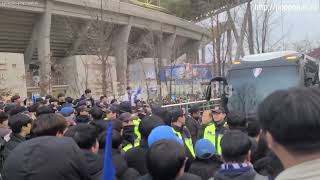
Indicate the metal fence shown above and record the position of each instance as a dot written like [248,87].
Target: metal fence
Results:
[203,105]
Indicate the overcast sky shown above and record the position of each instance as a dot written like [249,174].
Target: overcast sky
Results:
[301,18]
[297,19]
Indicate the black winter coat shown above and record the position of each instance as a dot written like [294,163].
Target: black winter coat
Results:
[15,140]
[205,168]
[194,127]
[46,158]
[121,167]
[95,164]
[137,157]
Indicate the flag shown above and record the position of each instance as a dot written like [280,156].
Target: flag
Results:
[108,170]
[135,95]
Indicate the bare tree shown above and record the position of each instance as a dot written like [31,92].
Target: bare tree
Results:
[265,24]
[303,46]
[137,51]
[96,39]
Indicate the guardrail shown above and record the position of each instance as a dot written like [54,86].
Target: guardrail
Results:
[150,6]
[203,105]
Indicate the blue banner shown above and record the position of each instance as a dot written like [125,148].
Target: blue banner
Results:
[186,73]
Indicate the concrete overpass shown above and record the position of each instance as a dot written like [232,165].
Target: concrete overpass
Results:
[37,29]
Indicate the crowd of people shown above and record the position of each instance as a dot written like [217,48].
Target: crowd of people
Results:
[67,139]
[176,99]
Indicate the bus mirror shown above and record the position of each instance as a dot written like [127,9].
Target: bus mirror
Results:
[218,84]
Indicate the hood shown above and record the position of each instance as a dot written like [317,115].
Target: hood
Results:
[237,174]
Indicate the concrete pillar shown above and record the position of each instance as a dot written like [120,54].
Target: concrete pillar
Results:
[192,51]
[44,52]
[203,55]
[167,48]
[203,45]
[32,45]
[120,44]
[80,37]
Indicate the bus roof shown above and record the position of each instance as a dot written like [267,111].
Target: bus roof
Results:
[268,56]
[267,60]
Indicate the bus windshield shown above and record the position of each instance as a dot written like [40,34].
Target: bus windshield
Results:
[251,86]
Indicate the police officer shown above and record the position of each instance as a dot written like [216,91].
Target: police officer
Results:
[129,130]
[130,139]
[178,121]
[213,126]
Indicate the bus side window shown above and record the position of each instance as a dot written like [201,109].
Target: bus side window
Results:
[311,73]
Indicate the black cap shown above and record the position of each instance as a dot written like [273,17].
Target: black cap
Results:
[82,108]
[114,109]
[194,109]
[125,116]
[125,107]
[218,109]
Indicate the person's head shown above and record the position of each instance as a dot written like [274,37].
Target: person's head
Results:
[235,147]
[161,133]
[48,98]
[195,112]
[125,106]
[96,113]
[207,117]
[114,101]
[87,92]
[41,101]
[85,135]
[16,99]
[290,120]
[20,124]
[44,110]
[163,114]
[9,107]
[104,99]
[33,108]
[49,125]
[128,89]
[17,110]
[54,102]
[67,111]
[116,140]
[178,117]
[69,100]
[219,114]
[236,121]
[148,124]
[83,110]
[61,97]
[113,112]
[166,160]
[204,149]
[254,126]
[4,119]
[126,120]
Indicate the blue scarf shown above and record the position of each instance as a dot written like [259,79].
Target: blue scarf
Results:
[236,167]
